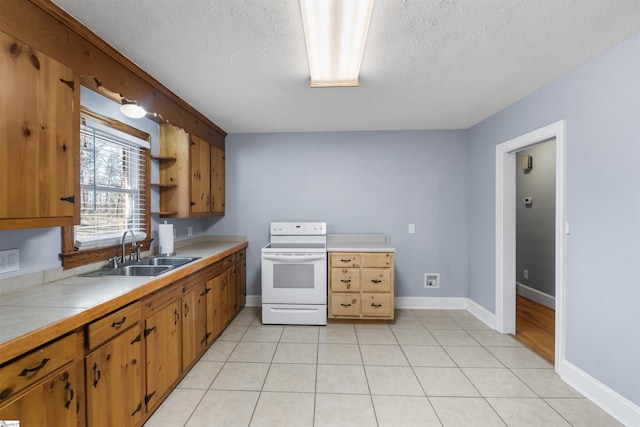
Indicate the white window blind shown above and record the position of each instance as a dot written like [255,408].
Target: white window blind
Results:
[112,186]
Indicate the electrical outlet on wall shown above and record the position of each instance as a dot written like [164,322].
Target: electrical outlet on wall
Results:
[190,231]
[431,280]
[9,260]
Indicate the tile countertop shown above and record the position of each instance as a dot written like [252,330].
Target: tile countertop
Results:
[33,314]
[358,243]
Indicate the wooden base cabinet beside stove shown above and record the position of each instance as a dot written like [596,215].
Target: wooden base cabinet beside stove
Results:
[361,287]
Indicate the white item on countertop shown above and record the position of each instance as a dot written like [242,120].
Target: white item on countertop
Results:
[165,237]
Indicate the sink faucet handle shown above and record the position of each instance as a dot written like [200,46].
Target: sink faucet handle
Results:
[138,249]
[113,262]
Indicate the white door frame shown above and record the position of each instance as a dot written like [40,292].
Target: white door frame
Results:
[506,229]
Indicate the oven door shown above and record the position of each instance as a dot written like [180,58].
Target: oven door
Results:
[294,278]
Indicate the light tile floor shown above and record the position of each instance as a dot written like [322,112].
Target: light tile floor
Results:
[430,368]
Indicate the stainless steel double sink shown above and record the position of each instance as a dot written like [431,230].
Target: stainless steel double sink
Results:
[144,268]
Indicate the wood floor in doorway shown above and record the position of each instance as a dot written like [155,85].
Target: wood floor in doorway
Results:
[536,326]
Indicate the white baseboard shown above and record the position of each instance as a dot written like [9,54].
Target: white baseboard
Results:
[432,303]
[481,313]
[254,301]
[611,402]
[535,295]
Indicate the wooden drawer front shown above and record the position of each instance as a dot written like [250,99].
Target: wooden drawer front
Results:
[240,255]
[377,259]
[159,299]
[345,305]
[377,305]
[376,280]
[345,279]
[345,259]
[29,369]
[229,261]
[112,324]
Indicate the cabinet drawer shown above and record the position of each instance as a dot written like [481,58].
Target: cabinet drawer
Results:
[29,369]
[345,259]
[112,324]
[345,279]
[377,259]
[376,280]
[345,305]
[159,299]
[240,255]
[229,261]
[376,305]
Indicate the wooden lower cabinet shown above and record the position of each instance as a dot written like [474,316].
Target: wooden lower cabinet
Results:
[194,319]
[114,386]
[50,404]
[162,342]
[361,286]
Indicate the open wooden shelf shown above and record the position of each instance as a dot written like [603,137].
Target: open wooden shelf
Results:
[164,213]
[164,158]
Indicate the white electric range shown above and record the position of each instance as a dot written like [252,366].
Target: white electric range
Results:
[294,274]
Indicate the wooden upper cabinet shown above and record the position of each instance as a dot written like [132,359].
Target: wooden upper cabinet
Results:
[217,181]
[200,178]
[39,138]
[192,185]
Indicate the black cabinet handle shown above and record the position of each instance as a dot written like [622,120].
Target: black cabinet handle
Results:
[116,324]
[96,375]
[136,339]
[346,305]
[70,199]
[376,281]
[26,371]
[148,397]
[375,305]
[70,394]
[148,331]
[138,409]
[345,281]
[176,317]
[346,260]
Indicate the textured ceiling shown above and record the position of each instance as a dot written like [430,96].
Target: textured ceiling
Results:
[428,64]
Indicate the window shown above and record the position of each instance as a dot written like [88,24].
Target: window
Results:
[113,181]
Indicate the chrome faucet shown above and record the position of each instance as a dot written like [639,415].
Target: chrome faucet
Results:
[133,243]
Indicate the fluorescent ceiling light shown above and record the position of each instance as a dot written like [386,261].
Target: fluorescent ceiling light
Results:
[132,109]
[335,31]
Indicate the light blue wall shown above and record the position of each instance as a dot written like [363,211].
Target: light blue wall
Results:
[601,104]
[358,182]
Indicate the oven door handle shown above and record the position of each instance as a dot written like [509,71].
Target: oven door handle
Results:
[294,257]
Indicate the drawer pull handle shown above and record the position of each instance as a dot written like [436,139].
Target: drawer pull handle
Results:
[346,305]
[120,323]
[70,394]
[376,280]
[96,375]
[26,371]
[373,304]
[345,280]
[345,260]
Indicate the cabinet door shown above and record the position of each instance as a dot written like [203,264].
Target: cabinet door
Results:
[114,381]
[38,148]
[225,313]
[194,324]
[163,351]
[241,283]
[50,404]
[215,321]
[200,179]
[217,181]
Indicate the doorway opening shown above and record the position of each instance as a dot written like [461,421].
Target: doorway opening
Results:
[506,229]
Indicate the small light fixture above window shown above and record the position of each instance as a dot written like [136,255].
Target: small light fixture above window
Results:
[132,109]
[335,32]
